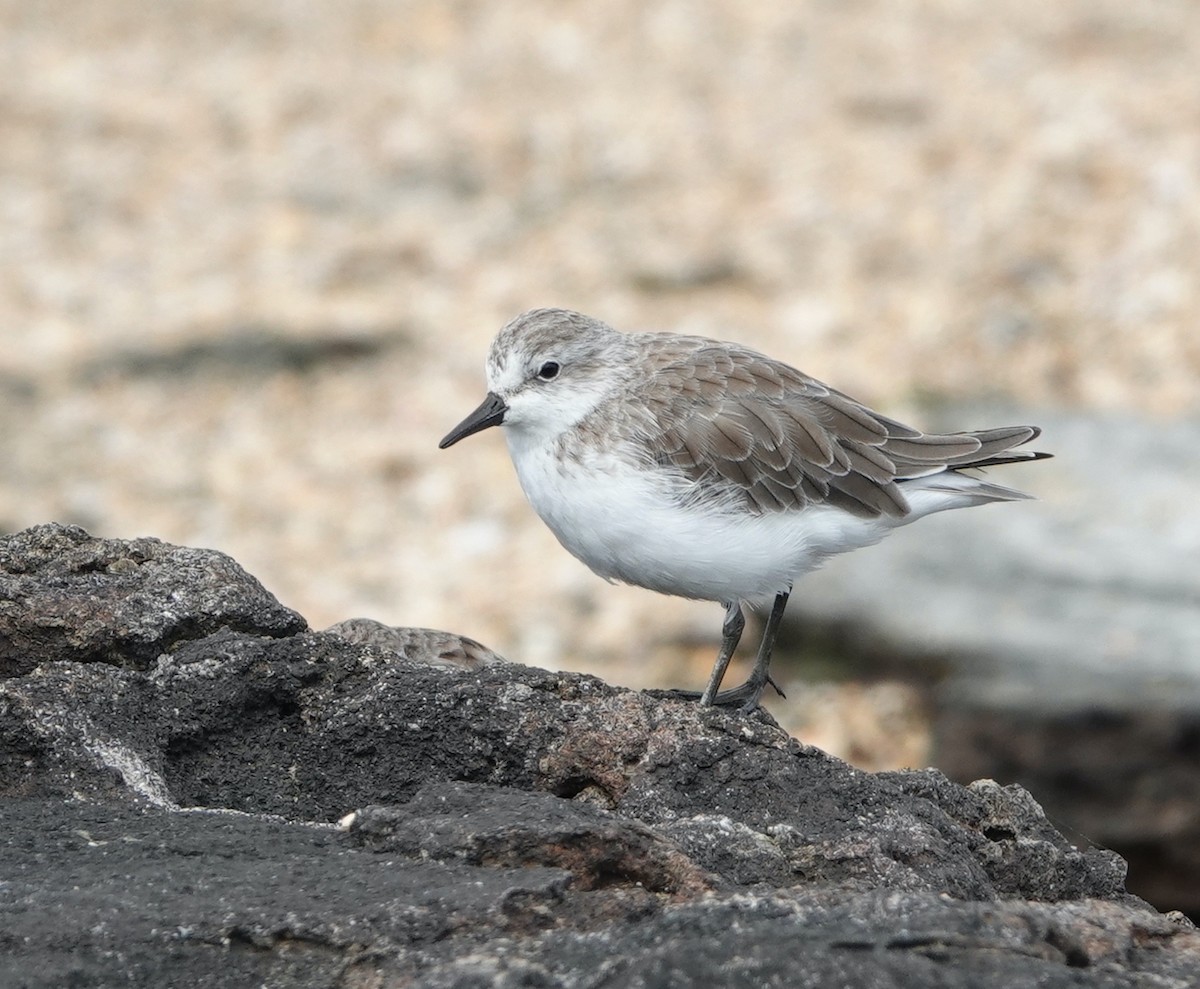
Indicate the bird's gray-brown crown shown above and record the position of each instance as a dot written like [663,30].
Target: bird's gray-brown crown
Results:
[576,343]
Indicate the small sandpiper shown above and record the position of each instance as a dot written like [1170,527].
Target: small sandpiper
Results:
[710,471]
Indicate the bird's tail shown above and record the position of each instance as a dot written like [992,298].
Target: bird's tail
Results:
[996,447]
[958,489]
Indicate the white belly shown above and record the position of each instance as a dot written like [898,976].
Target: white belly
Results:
[623,523]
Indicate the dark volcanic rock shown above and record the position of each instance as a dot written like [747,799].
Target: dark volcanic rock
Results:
[1125,775]
[115,895]
[67,596]
[310,728]
[490,825]
[510,826]
[198,898]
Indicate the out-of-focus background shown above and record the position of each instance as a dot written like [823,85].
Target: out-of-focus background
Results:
[252,256]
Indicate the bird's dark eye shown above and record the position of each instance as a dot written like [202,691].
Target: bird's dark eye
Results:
[549,370]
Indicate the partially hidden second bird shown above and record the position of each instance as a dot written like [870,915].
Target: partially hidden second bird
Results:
[707,470]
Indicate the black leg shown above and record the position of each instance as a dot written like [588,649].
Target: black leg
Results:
[750,692]
[760,675]
[731,633]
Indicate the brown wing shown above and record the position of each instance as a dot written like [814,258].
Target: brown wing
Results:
[764,431]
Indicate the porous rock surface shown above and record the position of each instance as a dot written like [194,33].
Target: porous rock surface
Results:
[224,798]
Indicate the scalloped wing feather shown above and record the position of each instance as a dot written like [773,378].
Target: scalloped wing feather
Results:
[753,428]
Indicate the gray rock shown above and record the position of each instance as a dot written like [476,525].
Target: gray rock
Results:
[1127,779]
[497,826]
[311,728]
[115,895]
[65,595]
[504,826]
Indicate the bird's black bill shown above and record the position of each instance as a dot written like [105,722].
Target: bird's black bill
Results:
[490,413]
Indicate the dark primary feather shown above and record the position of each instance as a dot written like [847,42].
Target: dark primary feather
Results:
[783,440]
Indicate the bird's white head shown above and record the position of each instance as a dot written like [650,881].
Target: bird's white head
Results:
[546,371]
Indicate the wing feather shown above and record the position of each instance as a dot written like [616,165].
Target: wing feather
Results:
[745,427]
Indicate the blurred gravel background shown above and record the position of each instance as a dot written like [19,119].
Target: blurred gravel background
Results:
[253,254]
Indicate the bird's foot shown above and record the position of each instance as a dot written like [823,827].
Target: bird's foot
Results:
[747,696]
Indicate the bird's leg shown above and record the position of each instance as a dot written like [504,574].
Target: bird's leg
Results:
[750,692]
[731,633]
[759,676]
